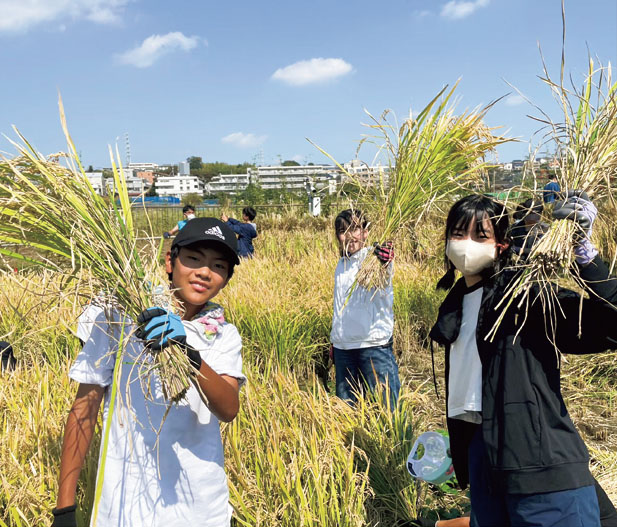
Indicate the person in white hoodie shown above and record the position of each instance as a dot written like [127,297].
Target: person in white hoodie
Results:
[363,320]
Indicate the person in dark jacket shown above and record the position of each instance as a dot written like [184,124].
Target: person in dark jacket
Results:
[551,190]
[511,437]
[246,231]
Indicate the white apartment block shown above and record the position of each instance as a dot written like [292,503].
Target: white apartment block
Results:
[228,183]
[292,177]
[178,186]
[97,181]
[142,166]
[278,177]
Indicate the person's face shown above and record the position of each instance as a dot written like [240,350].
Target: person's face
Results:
[483,233]
[352,239]
[198,274]
[189,213]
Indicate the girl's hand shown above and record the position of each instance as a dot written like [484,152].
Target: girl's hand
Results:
[577,207]
[384,252]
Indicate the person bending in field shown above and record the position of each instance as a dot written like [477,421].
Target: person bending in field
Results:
[511,437]
[188,211]
[174,476]
[246,231]
[363,320]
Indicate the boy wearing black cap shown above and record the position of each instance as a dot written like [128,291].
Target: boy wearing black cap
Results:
[175,475]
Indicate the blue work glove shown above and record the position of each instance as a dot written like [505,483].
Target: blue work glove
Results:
[64,517]
[161,328]
[166,235]
[384,252]
[578,207]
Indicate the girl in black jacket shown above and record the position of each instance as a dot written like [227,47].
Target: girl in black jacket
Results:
[511,436]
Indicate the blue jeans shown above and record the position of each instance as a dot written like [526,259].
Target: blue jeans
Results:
[360,368]
[566,508]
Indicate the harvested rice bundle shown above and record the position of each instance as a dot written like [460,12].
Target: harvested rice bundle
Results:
[431,156]
[58,221]
[587,155]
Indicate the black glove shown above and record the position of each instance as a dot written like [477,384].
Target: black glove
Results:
[576,207]
[64,517]
[165,235]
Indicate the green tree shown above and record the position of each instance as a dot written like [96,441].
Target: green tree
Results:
[195,162]
[193,199]
[290,163]
[253,194]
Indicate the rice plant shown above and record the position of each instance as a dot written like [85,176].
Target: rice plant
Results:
[430,156]
[586,143]
[60,223]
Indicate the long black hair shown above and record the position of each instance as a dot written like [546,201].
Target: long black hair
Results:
[478,207]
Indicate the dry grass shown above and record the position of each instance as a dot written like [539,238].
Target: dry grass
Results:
[295,454]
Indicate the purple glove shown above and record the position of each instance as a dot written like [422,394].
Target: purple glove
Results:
[165,235]
[384,252]
[577,207]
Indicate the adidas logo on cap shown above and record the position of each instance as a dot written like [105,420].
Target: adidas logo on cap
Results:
[215,231]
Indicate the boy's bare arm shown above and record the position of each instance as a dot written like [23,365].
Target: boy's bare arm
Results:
[77,437]
[222,391]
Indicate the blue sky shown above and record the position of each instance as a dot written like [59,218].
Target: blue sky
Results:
[228,80]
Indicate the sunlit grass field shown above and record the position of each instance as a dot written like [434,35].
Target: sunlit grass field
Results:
[295,455]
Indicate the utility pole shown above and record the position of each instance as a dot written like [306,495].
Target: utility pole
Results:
[128,149]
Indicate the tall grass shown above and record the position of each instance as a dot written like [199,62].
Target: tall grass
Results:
[295,455]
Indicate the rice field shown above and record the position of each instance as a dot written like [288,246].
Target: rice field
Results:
[295,455]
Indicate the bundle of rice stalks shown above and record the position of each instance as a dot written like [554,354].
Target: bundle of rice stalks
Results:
[51,216]
[587,155]
[431,156]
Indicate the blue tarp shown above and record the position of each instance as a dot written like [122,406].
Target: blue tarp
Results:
[158,200]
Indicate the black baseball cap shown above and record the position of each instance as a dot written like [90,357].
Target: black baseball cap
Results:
[211,230]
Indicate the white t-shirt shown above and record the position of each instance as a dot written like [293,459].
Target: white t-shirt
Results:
[366,319]
[192,489]
[465,382]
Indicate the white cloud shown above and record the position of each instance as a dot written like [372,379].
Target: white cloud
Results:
[456,9]
[515,100]
[422,14]
[155,46]
[312,71]
[243,140]
[21,15]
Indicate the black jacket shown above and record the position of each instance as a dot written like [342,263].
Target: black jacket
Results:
[531,443]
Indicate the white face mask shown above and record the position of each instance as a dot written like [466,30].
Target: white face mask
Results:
[470,257]
[190,216]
